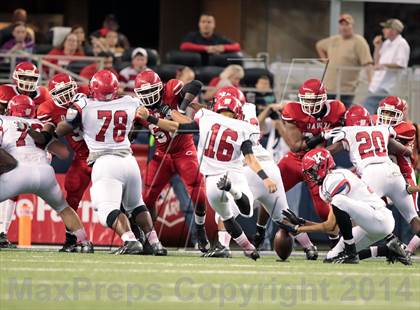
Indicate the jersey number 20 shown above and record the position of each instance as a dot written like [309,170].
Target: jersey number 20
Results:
[120,125]
[376,139]
[225,149]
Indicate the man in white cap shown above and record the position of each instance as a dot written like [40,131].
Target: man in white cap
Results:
[138,64]
[389,56]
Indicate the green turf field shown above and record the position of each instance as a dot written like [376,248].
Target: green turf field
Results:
[51,280]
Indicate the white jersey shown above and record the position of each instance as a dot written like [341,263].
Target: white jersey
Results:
[105,124]
[19,144]
[250,116]
[366,144]
[220,142]
[345,182]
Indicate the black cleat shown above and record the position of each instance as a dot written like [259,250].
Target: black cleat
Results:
[5,243]
[311,253]
[253,255]
[345,258]
[397,252]
[218,251]
[203,241]
[70,245]
[86,247]
[259,237]
[156,249]
[129,247]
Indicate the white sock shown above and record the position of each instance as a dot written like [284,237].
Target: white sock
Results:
[350,241]
[199,219]
[7,209]
[80,234]
[413,244]
[128,236]
[224,238]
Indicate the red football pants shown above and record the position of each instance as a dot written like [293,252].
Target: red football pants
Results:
[76,181]
[161,168]
[291,172]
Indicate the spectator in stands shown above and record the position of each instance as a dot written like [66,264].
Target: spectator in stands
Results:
[206,40]
[112,45]
[230,76]
[21,42]
[345,49]
[88,71]
[69,47]
[389,56]
[138,64]
[84,46]
[264,94]
[111,23]
[19,16]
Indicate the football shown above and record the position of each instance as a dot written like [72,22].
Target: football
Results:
[283,244]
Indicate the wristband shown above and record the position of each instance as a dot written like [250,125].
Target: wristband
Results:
[152,120]
[262,174]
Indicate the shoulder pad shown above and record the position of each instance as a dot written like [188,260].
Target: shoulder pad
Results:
[405,130]
[292,111]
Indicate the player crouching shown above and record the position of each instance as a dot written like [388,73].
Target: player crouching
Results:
[224,137]
[351,200]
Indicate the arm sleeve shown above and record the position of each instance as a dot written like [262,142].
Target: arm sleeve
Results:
[193,47]
[189,127]
[232,47]
[246,147]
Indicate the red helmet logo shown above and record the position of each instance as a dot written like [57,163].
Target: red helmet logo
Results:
[21,106]
[312,96]
[62,88]
[391,110]
[148,87]
[316,164]
[26,76]
[230,91]
[104,85]
[229,103]
[357,116]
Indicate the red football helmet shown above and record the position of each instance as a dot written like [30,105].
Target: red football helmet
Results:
[312,96]
[26,76]
[62,88]
[316,164]
[228,103]
[230,91]
[104,85]
[148,87]
[357,116]
[21,106]
[391,110]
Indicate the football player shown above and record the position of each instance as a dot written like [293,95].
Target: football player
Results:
[274,203]
[63,89]
[302,125]
[172,150]
[224,137]
[33,173]
[351,200]
[392,111]
[26,78]
[106,120]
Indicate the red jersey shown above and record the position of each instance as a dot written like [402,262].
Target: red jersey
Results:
[8,91]
[50,113]
[171,97]
[406,135]
[311,126]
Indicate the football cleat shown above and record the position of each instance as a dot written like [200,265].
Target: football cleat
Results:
[252,254]
[397,252]
[5,243]
[203,241]
[311,253]
[86,247]
[70,245]
[155,249]
[345,258]
[129,247]
[218,251]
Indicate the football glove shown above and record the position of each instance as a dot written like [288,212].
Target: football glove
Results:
[293,218]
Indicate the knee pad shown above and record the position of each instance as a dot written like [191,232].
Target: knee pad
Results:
[140,209]
[107,213]
[111,217]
